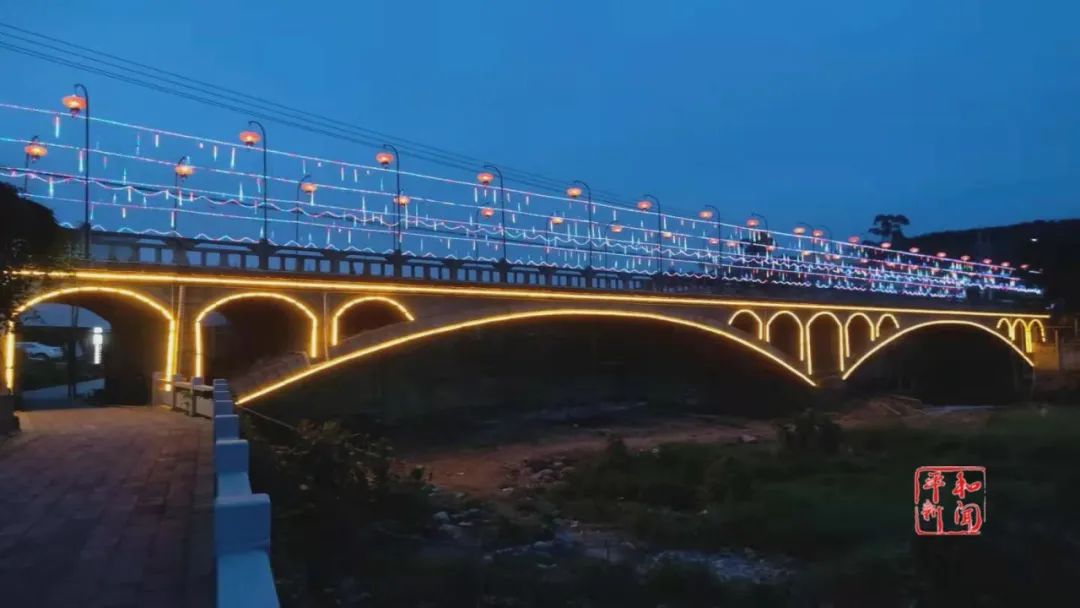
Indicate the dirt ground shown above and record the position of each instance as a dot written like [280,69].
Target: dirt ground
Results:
[482,472]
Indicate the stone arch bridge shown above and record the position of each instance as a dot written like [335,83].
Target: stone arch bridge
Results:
[288,328]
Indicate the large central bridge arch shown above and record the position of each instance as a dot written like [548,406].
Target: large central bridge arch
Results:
[716,330]
[895,337]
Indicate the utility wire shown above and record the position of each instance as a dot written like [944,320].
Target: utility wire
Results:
[268,110]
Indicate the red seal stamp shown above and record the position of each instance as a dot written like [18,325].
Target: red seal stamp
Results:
[950,500]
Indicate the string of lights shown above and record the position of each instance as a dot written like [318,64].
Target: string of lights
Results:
[438,211]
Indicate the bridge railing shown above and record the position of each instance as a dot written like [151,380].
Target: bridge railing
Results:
[191,396]
[137,252]
[241,518]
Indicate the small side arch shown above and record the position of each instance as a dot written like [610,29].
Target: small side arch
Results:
[335,321]
[9,333]
[757,319]
[798,322]
[908,330]
[1042,333]
[810,345]
[881,321]
[313,345]
[847,330]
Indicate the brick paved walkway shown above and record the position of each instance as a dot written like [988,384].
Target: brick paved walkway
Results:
[107,507]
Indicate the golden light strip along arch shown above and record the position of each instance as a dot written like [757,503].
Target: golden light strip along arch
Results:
[798,322]
[810,342]
[903,332]
[741,311]
[847,330]
[313,345]
[881,319]
[1042,331]
[504,318]
[335,330]
[9,337]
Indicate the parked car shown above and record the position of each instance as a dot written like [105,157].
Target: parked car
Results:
[40,352]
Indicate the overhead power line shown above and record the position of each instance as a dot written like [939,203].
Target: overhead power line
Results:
[179,85]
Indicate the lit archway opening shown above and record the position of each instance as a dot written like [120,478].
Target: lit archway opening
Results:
[748,322]
[858,334]
[424,334]
[240,331]
[364,314]
[141,341]
[887,325]
[785,332]
[825,344]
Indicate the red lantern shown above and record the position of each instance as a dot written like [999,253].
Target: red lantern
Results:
[817,233]
[573,192]
[987,261]
[249,138]
[184,170]
[854,240]
[753,222]
[384,158]
[1005,264]
[75,103]
[644,205]
[556,220]
[665,234]
[484,178]
[806,253]
[714,241]
[799,230]
[35,150]
[487,211]
[732,244]
[705,214]
[309,187]
[914,250]
[401,199]
[886,245]
[1024,266]
[965,257]
[941,254]
[616,228]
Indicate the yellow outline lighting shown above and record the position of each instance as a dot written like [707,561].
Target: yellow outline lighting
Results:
[847,331]
[798,321]
[1042,328]
[568,312]
[9,338]
[314,340]
[877,326]
[538,294]
[1008,326]
[334,329]
[900,333]
[810,342]
[760,327]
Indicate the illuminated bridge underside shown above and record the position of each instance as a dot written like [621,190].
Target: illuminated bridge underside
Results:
[811,343]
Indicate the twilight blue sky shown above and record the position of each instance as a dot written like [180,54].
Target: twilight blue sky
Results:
[955,113]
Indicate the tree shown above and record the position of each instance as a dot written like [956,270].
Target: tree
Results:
[30,238]
[890,227]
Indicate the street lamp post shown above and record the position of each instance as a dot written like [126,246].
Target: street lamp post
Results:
[34,150]
[502,208]
[396,158]
[575,192]
[77,103]
[250,138]
[709,212]
[181,171]
[644,204]
[308,187]
[615,228]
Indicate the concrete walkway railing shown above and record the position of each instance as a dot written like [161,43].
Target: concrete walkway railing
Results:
[241,518]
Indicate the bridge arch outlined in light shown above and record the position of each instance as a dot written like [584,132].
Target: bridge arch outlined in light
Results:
[798,322]
[509,317]
[881,321]
[954,322]
[810,342]
[1042,333]
[335,329]
[847,330]
[9,337]
[747,311]
[313,340]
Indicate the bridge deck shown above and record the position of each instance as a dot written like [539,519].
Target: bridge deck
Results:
[107,507]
